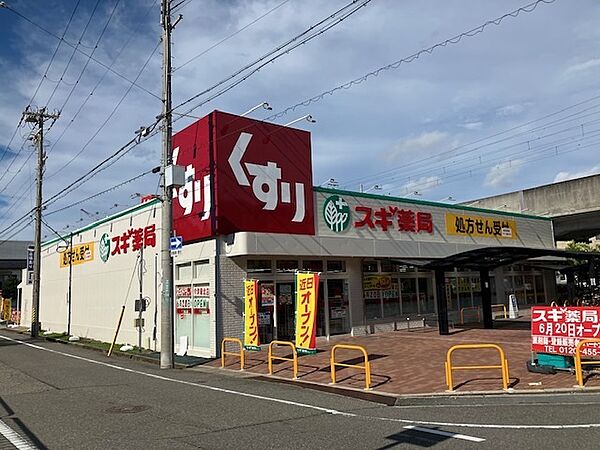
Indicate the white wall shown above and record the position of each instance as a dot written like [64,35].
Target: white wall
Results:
[99,288]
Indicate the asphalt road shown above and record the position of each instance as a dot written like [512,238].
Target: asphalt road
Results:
[58,396]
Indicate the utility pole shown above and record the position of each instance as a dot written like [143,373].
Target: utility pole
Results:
[69,292]
[167,348]
[142,302]
[37,118]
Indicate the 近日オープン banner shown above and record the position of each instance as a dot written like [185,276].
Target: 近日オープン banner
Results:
[307,291]
[251,341]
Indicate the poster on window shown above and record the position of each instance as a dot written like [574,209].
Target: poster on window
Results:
[267,294]
[251,341]
[307,291]
[558,330]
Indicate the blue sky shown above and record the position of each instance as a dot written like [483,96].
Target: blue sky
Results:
[436,126]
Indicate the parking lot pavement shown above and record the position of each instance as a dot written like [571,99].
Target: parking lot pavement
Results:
[412,362]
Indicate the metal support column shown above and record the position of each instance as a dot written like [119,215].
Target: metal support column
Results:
[486,298]
[442,306]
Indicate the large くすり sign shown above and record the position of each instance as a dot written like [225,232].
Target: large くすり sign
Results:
[242,175]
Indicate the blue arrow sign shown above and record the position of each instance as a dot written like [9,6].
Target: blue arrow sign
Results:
[176,243]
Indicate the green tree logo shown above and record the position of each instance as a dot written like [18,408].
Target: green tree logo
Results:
[104,247]
[336,213]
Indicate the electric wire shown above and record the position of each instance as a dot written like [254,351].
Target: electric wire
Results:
[97,61]
[98,194]
[226,38]
[85,28]
[87,61]
[39,85]
[354,6]
[101,79]
[429,50]
[112,113]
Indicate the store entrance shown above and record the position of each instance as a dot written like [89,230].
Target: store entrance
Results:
[285,311]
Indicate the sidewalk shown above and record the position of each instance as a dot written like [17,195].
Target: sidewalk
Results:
[412,362]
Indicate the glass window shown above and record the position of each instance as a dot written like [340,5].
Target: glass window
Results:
[334,266]
[539,289]
[286,265]
[184,271]
[391,300]
[201,268]
[369,266]
[314,265]
[387,266]
[476,287]
[258,265]
[408,292]
[426,298]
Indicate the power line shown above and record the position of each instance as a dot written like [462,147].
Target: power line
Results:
[87,61]
[89,96]
[355,4]
[106,191]
[97,61]
[451,152]
[226,38]
[395,65]
[39,85]
[74,51]
[105,122]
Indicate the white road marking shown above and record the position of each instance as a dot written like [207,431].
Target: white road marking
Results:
[14,438]
[306,405]
[464,437]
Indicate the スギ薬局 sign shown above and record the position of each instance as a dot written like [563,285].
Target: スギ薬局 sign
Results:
[242,175]
[559,329]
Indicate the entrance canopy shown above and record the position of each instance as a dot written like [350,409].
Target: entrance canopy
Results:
[488,258]
[483,260]
[493,257]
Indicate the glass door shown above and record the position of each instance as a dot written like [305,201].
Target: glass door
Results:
[339,310]
[285,311]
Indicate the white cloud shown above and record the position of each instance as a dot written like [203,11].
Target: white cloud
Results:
[564,175]
[472,125]
[416,146]
[510,110]
[581,67]
[503,174]
[421,185]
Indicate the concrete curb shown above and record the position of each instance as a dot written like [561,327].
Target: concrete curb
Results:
[389,399]
[117,353]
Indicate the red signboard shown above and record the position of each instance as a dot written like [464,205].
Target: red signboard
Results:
[261,178]
[192,202]
[557,329]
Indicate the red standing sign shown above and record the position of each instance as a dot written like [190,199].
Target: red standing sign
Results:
[557,329]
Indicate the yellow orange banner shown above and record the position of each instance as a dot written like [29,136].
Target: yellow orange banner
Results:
[251,341]
[307,292]
[80,254]
[478,226]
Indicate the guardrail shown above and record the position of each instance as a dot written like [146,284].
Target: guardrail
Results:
[366,367]
[449,367]
[498,305]
[239,355]
[293,359]
[579,363]
[469,308]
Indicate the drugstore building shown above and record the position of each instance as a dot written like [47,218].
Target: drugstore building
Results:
[248,210]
